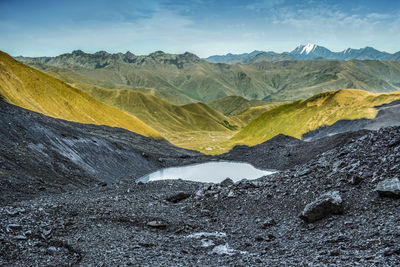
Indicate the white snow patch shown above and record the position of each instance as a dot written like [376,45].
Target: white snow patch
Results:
[205,243]
[225,250]
[308,48]
[205,234]
[347,50]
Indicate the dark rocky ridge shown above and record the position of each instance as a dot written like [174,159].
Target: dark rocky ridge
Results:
[284,152]
[103,59]
[39,153]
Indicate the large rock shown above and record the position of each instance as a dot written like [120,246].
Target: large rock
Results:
[326,204]
[389,188]
[178,197]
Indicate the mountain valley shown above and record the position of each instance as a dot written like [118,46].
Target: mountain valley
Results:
[79,130]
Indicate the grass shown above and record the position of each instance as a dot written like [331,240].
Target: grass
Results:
[197,125]
[193,126]
[203,81]
[299,117]
[34,90]
[234,105]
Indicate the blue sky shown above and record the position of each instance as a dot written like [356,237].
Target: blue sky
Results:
[50,27]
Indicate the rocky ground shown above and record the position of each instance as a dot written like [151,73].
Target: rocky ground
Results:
[40,155]
[339,208]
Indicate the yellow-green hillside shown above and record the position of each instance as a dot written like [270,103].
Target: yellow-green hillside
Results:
[253,112]
[31,89]
[195,126]
[234,105]
[160,114]
[296,118]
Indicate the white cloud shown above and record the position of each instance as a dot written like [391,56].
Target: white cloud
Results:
[277,26]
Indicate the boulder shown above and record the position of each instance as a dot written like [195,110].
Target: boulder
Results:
[157,224]
[325,205]
[389,188]
[178,197]
[227,182]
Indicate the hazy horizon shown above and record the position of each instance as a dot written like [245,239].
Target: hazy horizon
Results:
[202,27]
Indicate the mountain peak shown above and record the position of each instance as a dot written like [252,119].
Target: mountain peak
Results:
[78,52]
[307,49]
[157,53]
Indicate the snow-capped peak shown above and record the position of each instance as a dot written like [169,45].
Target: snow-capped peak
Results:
[308,48]
[347,50]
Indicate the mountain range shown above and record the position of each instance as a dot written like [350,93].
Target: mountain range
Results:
[305,52]
[185,78]
[211,127]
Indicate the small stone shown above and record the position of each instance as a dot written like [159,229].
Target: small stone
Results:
[389,188]
[15,212]
[46,232]
[227,182]
[326,204]
[178,197]
[271,237]
[268,223]
[157,224]
[231,194]
[259,238]
[355,180]
[20,237]
[334,253]
[146,245]
[14,227]
[390,252]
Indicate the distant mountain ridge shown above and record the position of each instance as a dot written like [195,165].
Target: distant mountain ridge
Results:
[185,78]
[305,52]
[102,59]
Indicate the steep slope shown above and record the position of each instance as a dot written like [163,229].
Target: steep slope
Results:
[254,112]
[34,90]
[292,80]
[160,114]
[185,78]
[233,105]
[297,118]
[194,126]
[41,155]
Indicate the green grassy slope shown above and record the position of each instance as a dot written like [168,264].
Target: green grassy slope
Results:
[296,118]
[252,113]
[194,126]
[234,105]
[31,89]
[77,79]
[161,114]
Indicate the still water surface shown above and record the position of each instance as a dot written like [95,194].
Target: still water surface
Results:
[210,172]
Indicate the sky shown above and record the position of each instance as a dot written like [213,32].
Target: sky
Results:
[203,27]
